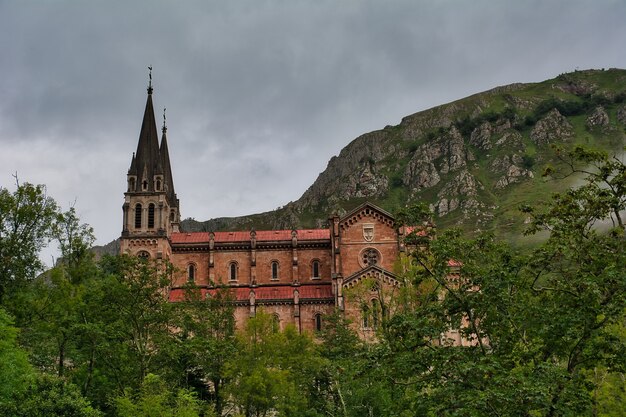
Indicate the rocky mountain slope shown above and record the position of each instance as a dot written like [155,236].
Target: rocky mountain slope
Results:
[474,161]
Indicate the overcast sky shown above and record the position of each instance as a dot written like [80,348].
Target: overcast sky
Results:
[259,94]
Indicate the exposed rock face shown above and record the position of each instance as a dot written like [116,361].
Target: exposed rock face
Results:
[599,118]
[621,114]
[552,128]
[447,153]
[481,136]
[461,192]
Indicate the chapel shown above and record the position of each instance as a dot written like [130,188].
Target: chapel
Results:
[297,276]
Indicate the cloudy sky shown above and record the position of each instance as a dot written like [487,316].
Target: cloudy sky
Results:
[260,94]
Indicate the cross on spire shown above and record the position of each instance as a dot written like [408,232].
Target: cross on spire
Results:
[150,79]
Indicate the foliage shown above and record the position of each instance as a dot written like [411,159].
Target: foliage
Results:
[15,371]
[50,396]
[26,219]
[155,399]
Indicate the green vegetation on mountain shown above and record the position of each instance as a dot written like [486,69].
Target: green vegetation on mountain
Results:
[474,161]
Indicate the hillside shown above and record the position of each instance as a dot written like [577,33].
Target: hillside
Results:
[474,161]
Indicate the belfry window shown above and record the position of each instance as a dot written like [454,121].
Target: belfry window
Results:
[191,273]
[158,185]
[144,185]
[138,209]
[151,216]
[274,270]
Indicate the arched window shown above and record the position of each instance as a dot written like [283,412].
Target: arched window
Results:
[315,269]
[275,322]
[232,271]
[138,209]
[191,273]
[318,322]
[143,254]
[274,270]
[144,185]
[158,185]
[365,312]
[151,216]
[131,184]
[172,216]
[375,313]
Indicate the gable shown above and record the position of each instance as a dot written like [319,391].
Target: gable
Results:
[364,213]
[372,272]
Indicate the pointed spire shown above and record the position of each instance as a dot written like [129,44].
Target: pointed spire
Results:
[147,161]
[167,167]
[133,166]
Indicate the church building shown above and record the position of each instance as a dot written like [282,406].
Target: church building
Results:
[297,276]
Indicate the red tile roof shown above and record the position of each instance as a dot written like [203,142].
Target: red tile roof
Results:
[265,293]
[244,236]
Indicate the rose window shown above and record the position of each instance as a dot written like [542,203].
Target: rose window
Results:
[370,257]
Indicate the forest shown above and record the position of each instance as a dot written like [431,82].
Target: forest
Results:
[547,324]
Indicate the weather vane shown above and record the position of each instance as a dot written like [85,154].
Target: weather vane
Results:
[150,75]
[164,125]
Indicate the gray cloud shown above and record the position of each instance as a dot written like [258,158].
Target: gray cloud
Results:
[260,94]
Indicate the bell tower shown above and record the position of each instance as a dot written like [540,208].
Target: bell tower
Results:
[151,208]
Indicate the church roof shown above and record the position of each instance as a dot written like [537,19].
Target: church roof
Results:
[244,236]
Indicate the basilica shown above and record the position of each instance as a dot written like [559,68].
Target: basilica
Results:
[298,276]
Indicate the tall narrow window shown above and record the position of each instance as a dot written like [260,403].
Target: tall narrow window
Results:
[275,323]
[375,313]
[274,270]
[318,322]
[232,271]
[138,216]
[365,311]
[315,270]
[158,185]
[191,273]
[151,216]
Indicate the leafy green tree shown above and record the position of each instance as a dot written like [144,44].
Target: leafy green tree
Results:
[273,372]
[203,344]
[15,371]
[26,220]
[155,399]
[532,325]
[50,396]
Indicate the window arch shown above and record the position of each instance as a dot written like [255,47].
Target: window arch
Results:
[365,313]
[232,271]
[375,313]
[318,322]
[151,216]
[138,209]
[274,270]
[191,273]
[315,269]
[143,255]
[275,322]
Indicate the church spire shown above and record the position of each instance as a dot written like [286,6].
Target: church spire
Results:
[167,167]
[147,161]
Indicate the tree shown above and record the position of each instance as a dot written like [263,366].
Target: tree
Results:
[15,371]
[26,221]
[273,372]
[155,399]
[532,324]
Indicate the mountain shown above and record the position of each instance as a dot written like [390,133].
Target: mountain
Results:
[474,161]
